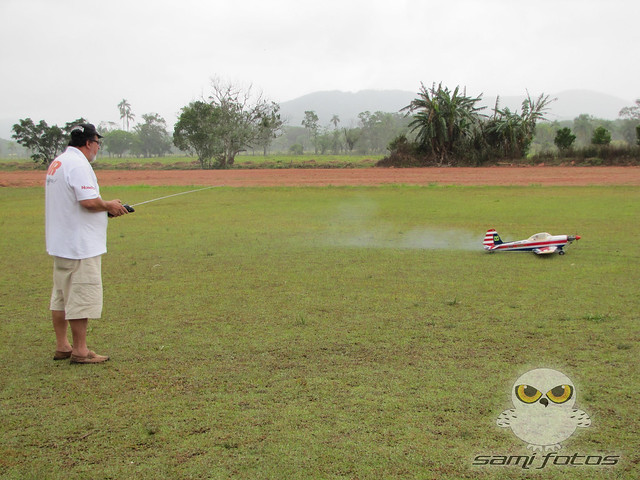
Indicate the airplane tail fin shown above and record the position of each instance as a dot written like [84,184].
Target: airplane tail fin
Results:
[491,239]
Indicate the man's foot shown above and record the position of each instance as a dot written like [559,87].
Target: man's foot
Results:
[92,357]
[61,355]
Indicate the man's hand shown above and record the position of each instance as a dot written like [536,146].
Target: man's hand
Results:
[113,207]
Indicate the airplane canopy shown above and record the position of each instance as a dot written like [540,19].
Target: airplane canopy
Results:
[539,237]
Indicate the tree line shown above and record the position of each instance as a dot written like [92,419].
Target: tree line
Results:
[449,127]
[45,141]
[439,127]
[371,134]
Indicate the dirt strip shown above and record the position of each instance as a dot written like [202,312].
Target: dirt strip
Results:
[539,175]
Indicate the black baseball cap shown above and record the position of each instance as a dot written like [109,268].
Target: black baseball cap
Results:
[85,130]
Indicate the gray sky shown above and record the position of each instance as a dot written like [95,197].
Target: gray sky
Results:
[65,59]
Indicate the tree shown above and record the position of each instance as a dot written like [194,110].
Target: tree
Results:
[564,139]
[583,127]
[241,120]
[378,129]
[336,141]
[117,142]
[513,132]
[106,127]
[336,144]
[195,132]
[42,140]
[543,141]
[626,130]
[152,136]
[70,125]
[125,113]
[442,119]
[601,136]
[502,131]
[632,112]
[296,149]
[533,111]
[324,141]
[310,123]
[351,136]
[268,128]
[228,124]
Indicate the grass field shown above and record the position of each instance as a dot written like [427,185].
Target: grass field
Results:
[294,333]
[241,161]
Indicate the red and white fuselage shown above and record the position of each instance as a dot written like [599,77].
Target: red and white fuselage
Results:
[540,243]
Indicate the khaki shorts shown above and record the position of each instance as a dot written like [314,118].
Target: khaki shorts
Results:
[77,287]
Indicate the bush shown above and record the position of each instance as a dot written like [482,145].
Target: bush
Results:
[601,136]
[404,154]
[564,139]
[609,155]
[296,149]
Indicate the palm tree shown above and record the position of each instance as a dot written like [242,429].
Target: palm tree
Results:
[513,132]
[505,131]
[444,119]
[125,113]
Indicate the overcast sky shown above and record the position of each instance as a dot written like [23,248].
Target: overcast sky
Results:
[66,59]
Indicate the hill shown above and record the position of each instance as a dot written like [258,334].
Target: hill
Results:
[347,105]
[10,149]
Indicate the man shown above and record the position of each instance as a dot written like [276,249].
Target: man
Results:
[76,237]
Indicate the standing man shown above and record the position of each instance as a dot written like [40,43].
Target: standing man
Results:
[76,237]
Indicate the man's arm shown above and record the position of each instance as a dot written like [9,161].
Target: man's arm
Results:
[114,207]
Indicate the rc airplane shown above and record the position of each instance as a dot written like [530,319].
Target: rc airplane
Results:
[540,243]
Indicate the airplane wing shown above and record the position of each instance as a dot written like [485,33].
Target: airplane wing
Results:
[544,250]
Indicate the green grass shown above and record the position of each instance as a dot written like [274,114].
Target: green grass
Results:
[322,333]
[241,161]
[306,161]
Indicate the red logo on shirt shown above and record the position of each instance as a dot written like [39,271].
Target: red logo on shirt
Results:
[85,187]
[55,165]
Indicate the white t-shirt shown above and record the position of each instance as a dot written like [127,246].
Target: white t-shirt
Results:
[71,230]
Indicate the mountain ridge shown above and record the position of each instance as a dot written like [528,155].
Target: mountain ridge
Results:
[568,105]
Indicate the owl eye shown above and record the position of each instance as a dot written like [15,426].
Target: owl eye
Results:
[560,394]
[527,393]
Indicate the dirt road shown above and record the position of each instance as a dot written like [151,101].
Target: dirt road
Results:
[357,176]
